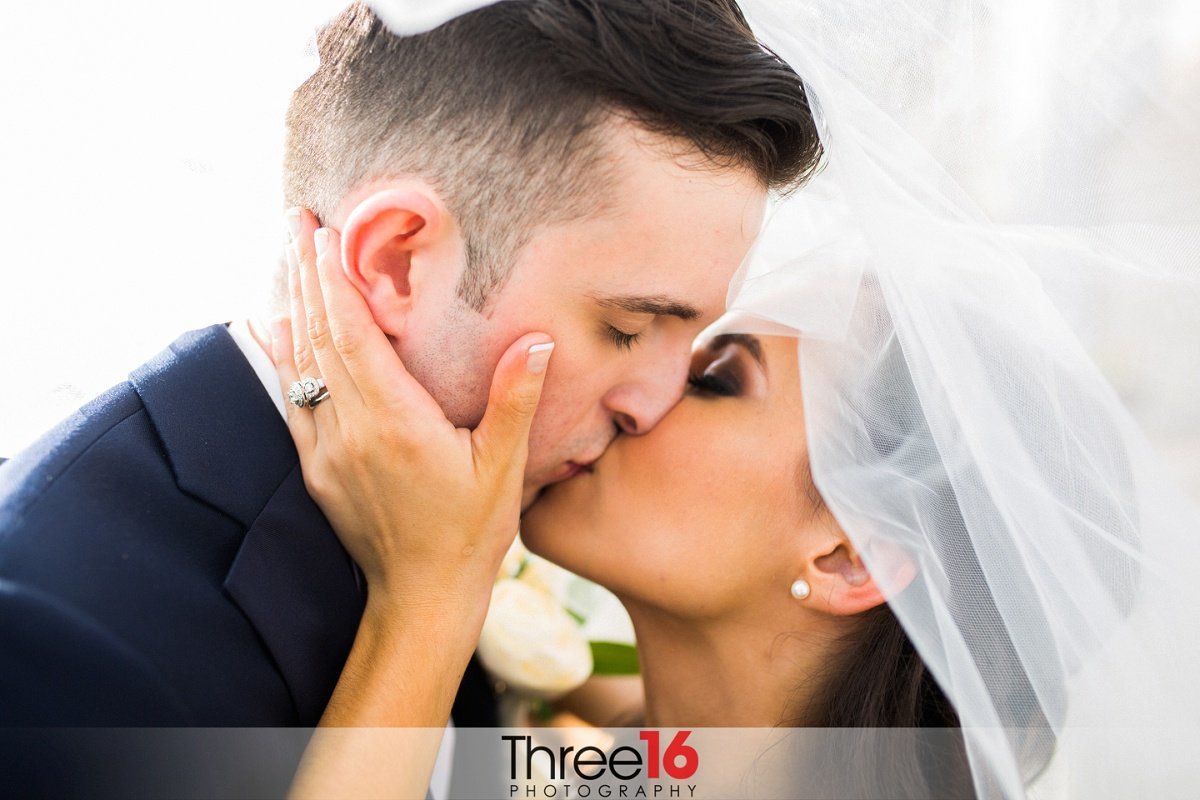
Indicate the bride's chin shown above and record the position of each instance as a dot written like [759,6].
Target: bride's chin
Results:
[553,510]
[554,497]
[543,513]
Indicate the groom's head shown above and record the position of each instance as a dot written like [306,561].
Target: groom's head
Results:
[595,169]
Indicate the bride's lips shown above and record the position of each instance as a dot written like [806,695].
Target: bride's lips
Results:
[570,470]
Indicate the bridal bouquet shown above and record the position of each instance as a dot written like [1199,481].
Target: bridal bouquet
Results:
[548,630]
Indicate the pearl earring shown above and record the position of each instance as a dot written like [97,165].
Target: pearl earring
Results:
[800,589]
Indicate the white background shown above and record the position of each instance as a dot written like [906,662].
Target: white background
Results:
[139,184]
[139,193]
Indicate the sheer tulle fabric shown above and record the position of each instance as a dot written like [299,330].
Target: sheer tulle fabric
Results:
[999,176]
[981,202]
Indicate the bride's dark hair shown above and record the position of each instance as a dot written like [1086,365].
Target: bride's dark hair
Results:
[910,743]
[878,681]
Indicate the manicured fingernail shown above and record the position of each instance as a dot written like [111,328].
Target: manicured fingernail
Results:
[321,240]
[293,223]
[538,357]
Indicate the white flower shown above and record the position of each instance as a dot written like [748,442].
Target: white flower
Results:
[547,577]
[604,618]
[531,643]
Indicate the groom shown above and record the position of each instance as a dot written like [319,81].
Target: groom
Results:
[593,170]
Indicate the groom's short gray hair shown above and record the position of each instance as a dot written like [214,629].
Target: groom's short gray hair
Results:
[501,110]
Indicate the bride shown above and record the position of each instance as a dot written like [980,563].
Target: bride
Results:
[897,492]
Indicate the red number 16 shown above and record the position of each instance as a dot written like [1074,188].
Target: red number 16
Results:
[676,750]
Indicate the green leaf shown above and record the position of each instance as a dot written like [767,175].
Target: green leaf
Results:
[540,710]
[614,658]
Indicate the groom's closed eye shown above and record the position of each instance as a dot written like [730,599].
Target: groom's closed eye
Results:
[636,314]
[622,339]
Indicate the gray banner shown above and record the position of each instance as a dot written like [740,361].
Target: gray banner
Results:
[532,764]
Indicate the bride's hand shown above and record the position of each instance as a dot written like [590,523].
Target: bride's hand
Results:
[427,510]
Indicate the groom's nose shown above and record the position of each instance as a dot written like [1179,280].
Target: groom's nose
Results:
[638,405]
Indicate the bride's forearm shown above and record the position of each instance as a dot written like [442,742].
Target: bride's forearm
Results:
[380,733]
[406,664]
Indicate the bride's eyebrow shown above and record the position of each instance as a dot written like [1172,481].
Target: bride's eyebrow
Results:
[657,305]
[751,344]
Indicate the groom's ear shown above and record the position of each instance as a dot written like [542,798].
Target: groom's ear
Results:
[384,243]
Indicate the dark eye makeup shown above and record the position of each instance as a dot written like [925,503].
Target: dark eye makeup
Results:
[721,374]
[725,368]
[721,383]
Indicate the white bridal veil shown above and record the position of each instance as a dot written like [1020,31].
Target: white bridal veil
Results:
[1000,177]
[1011,196]
[1008,223]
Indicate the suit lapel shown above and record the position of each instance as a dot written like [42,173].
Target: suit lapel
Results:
[300,589]
[223,436]
[229,447]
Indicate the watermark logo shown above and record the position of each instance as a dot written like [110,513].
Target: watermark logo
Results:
[648,770]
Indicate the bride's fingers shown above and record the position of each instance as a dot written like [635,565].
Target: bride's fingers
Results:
[312,245]
[502,437]
[347,341]
[363,348]
[350,347]
[302,358]
[302,355]
[300,422]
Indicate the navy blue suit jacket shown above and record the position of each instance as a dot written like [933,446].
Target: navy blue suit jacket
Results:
[162,564]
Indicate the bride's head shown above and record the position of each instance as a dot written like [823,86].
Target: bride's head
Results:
[708,521]
[713,514]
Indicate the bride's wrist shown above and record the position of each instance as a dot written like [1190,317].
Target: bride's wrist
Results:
[406,662]
[449,588]
[441,609]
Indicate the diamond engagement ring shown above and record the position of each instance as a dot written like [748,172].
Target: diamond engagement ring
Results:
[307,392]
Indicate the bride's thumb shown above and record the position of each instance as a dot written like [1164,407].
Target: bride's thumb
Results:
[503,435]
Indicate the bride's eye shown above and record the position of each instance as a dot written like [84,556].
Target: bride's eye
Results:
[719,371]
[715,383]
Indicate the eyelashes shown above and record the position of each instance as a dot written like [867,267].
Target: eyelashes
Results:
[716,384]
[719,373]
[623,340]
[717,380]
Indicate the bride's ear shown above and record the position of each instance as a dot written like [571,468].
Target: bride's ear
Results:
[840,584]
[382,240]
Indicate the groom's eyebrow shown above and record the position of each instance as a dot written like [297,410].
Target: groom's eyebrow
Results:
[657,305]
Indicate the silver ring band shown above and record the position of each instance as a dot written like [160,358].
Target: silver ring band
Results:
[307,392]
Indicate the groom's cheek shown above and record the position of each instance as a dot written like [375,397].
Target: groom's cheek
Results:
[549,432]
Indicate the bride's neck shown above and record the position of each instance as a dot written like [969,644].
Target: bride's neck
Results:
[726,673]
